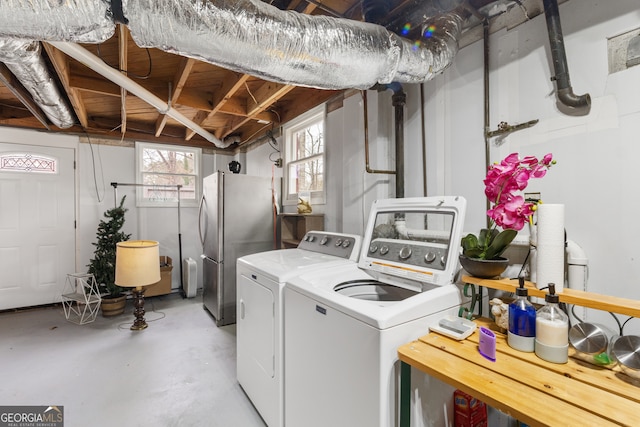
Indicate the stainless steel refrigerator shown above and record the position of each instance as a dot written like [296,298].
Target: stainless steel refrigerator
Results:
[235,219]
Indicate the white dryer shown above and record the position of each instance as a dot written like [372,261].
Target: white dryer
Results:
[260,281]
[344,325]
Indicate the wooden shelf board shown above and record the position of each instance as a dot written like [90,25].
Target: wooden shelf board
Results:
[608,303]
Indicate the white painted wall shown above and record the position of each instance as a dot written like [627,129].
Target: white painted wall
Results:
[595,176]
[117,164]
[596,172]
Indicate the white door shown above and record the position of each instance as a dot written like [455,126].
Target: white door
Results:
[37,223]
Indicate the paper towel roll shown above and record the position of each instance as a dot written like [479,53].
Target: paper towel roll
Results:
[550,246]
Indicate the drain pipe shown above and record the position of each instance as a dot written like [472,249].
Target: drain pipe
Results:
[366,138]
[580,103]
[399,99]
[423,133]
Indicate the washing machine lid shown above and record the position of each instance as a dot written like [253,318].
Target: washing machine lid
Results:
[323,287]
[316,250]
[414,238]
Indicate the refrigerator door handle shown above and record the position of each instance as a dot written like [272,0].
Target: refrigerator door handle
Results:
[200,210]
[241,308]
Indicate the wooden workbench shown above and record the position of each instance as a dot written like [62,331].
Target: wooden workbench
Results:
[530,389]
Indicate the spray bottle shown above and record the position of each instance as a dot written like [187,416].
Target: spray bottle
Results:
[522,321]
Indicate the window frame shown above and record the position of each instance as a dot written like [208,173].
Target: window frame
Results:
[197,165]
[288,130]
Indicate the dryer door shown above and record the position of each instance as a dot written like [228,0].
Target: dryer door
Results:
[256,346]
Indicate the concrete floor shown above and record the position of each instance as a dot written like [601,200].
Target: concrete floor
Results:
[180,371]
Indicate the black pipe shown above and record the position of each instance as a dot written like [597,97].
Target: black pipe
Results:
[564,91]
[375,10]
[399,100]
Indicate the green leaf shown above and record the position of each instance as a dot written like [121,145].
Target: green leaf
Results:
[469,242]
[500,243]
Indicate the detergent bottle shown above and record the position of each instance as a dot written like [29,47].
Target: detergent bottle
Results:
[522,321]
[552,330]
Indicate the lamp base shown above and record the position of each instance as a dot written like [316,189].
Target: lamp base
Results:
[138,302]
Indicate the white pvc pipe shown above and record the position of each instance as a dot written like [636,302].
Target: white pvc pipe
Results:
[96,64]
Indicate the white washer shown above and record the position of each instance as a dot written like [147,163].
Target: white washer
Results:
[344,325]
[260,281]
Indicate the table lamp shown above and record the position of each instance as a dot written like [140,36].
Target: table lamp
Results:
[137,266]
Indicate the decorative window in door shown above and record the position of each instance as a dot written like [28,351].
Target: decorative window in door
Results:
[27,162]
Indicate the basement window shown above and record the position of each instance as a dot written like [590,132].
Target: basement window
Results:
[304,157]
[161,168]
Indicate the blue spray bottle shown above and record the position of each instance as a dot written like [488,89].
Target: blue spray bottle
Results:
[522,321]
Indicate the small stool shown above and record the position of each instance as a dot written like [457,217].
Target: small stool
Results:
[81,298]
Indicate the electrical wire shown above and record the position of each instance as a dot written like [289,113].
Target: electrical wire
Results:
[130,74]
[250,94]
[95,178]
[254,134]
[272,141]
[16,107]
[274,111]
[271,157]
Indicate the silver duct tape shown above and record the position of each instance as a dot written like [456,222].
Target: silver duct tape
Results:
[252,37]
[24,59]
[82,21]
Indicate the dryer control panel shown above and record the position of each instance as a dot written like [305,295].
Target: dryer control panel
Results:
[341,245]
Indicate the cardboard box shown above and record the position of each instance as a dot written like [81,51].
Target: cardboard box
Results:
[468,411]
[162,287]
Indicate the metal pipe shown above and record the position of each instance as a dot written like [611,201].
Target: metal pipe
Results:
[399,100]
[424,142]
[580,103]
[366,138]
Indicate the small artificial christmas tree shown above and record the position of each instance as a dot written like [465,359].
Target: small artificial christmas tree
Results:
[103,264]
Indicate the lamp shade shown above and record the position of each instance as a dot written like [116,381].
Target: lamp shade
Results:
[137,263]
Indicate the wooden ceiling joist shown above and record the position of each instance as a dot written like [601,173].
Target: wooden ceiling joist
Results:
[22,94]
[179,81]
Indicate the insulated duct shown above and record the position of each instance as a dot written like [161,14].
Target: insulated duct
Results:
[24,21]
[24,59]
[253,37]
[81,21]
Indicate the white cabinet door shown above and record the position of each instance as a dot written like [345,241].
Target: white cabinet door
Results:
[37,223]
